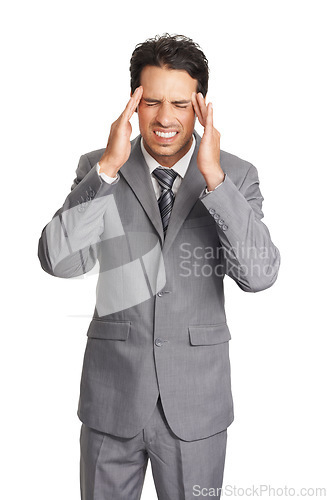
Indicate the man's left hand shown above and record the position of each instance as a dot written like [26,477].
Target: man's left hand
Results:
[209,152]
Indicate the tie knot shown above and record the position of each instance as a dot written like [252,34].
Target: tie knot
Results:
[165,177]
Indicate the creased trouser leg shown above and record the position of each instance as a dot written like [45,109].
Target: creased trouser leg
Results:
[114,468]
[111,467]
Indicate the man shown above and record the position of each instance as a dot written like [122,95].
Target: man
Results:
[166,215]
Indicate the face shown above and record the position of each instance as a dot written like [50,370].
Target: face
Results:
[166,114]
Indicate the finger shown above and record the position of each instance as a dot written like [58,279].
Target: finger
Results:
[202,106]
[209,122]
[197,108]
[137,98]
[132,103]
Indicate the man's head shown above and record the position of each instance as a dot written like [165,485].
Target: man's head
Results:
[169,68]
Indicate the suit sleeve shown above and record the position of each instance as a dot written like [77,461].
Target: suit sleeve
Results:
[69,242]
[248,254]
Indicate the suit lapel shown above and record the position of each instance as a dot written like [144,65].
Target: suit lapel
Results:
[136,173]
[187,195]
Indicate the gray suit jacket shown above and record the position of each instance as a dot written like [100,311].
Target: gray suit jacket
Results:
[159,322]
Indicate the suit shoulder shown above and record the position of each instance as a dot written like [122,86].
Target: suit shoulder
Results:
[86,162]
[232,161]
[234,166]
[94,156]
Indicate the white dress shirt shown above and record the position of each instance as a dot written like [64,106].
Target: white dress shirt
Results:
[180,168]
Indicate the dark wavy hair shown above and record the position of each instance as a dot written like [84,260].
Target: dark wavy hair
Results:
[174,52]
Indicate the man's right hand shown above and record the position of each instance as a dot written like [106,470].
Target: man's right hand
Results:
[119,147]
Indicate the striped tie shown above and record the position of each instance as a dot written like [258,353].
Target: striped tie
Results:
[166,178]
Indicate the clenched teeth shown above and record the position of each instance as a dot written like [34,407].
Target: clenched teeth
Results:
[166,135]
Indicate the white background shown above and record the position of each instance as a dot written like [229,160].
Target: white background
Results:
[65,78]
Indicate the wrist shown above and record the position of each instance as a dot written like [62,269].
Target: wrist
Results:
[214,179]
[108,168]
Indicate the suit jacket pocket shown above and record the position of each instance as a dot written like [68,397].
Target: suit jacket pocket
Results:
[209,334]
[109,330]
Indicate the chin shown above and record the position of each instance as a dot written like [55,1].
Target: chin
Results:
[164,149]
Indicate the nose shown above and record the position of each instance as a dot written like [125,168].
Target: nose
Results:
[165,114]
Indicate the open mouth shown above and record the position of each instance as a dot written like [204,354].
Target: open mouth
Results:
[165,136]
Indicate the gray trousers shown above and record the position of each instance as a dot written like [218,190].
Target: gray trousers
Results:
[113,468]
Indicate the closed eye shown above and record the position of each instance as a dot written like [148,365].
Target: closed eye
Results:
[156,104]
[178,104]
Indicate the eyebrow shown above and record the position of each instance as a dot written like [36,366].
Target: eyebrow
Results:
[180,101]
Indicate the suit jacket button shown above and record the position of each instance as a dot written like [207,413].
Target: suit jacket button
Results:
[158,342]
[221,222]
[216,216]
[212,211]
[224,227]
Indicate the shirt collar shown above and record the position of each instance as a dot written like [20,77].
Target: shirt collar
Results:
[180,167]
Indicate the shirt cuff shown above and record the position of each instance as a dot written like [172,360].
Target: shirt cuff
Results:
[106,177]
[207,191]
